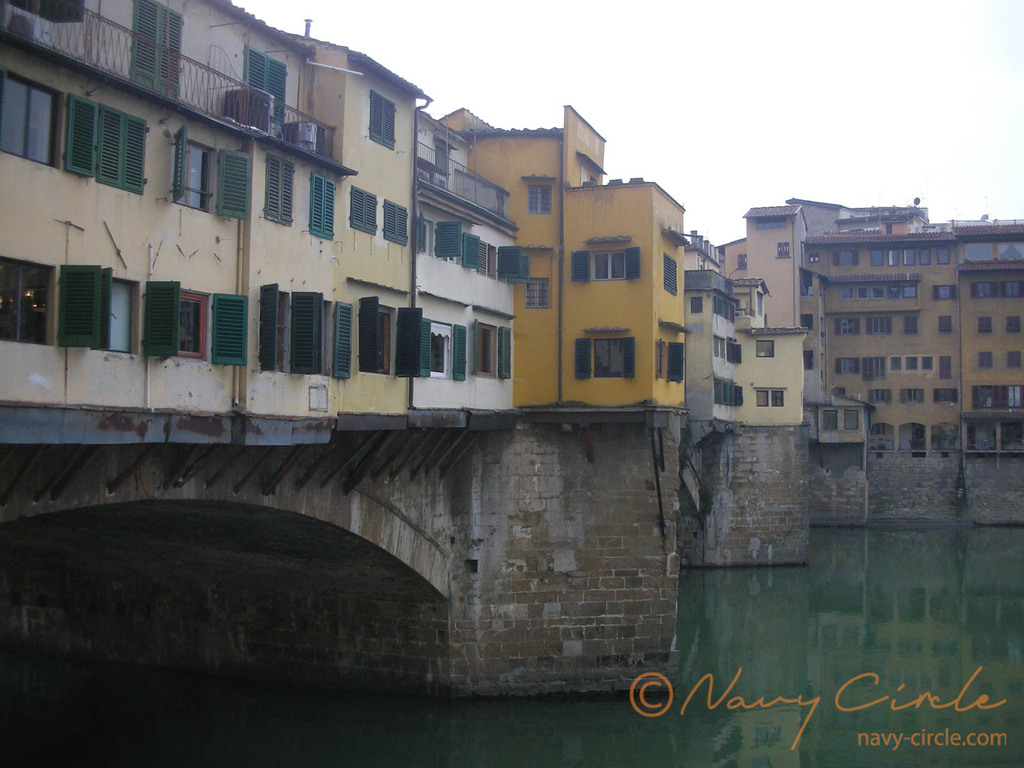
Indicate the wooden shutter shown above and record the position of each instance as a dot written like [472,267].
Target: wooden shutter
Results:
[145,58]
[632,263]
[513,264]
[179,177]
[321,206]
[459,352]
[448,240]
[341,365]
[280,180]
[583,358]
[106,289]
[470,251]
[161,319]
[424,347]
[79,306]
[269,297]
[134,175]
[407,342]
[504,352]
[277,81]
[256,69]
[676,360]
[629,358]
[233,185]
[109,147]
[230,316]
[671,275]
[80,154]
[396,223]
[580,266]
[369,343]
[170,56]
[306,332]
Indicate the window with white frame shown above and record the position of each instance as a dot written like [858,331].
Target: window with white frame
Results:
[440,351]
[539,198]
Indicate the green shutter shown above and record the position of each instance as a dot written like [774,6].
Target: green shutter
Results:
[369,341]
[179,178]
[306,332]
[676,360]
[144,43]
[363,211]
[321,206]
[448,240]
[513,264]
[459,352]
[671,275]
[106,288]
[470,250]
[134,174]
[230,316]
[341,366]
[632,263]
[583,358]
[424,347]
[504,353]
[80,155]
[233,185]
[269,297]
[170,57]
[161,323]
[256,69]
[110,147]
[382,120]
[280,179]
[396,223]
[580,266]
[628,358]
[80,303]
[277,80]
[408,341]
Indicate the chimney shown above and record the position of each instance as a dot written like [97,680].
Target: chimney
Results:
[309,23]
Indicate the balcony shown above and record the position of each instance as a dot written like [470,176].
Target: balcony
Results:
[69,30]
[453,177]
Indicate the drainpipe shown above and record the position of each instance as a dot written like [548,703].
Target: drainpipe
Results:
[243,259]
[561,251]
[415,239]
[146,358]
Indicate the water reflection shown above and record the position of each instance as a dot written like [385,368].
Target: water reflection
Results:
[921,610]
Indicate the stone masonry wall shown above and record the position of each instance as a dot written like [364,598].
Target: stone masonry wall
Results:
[566,575]
[908,488]
[754,509]
[995,489]
[837,491]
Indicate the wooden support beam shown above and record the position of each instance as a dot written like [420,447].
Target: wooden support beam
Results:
[363,467]
[421,440]
[179,470]
[453,444]
[315,465]
[8,455]
[589,436]
[657,484]
[284,469]
[240,485]
[383,466]
[69,477]
[79,450]
[442,436]
[115,485]
[216,476]
[17,481]
[197,465]
[460,453]
[368,443]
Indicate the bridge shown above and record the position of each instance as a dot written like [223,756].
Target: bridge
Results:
[481,554]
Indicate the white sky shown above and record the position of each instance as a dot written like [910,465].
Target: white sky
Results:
[728,104]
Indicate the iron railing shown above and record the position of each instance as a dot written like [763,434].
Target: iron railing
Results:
[433,168]
[98,42]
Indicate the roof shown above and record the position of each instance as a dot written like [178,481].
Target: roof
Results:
[801,201]
[554,132]
[988,230]
[747,280]
[856,238]
[776,331]
[990,266]
[874,278]
[775,210]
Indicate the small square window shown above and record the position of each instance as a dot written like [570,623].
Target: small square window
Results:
[984,359]
[984,325]
[1013,324]
[764,348]
[537,293]
[539,198]
[192,326]
[696,305]
[778,398]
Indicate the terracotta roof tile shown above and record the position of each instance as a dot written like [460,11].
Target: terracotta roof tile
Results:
[842,238]
[990,266]
[776,331]
[775,210]
[988,230]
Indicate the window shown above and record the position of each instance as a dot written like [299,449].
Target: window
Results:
[425,240]
[363,211]
[175,324]
[894,292]
[879,326]
[873,368]
[1013,358]
[106,144]
[770,224]
[996,397]
[610,266]
[896,363]
[1012,289]
[191,182]
[696,305]
[280,181]
[924,256]
[978,251]
[883,396]
[724,307]
[671,274]
[764,348]
[877,259]
[537,293]
[942,255]
[26,119]
[675,362]
[192,326]
[844,258]
[156,46]
[945,367]
[778,398]
[945,323]
[984,324]
[911,396]
[487,260]
[846,365]
[910,324]
[944,395]
[718,347]
[440,351]
[985,290]
[485,349]
[268,75]
[275,309]
[909,257]
[614,357]
[539,198]
[382,120]
[927,362]
[808,359]
[374,336]
[321,207]
[396,223]
[514,264]
[782,251]
[1010,251]
[882,438]
[807,321]
[878,292]
[943,292]
[984,359]
[806,283]
[829,419]
[851,418]
[24,289]
[847,326]
[233,185]
[121,315]
[909,291]
[733,353]
[911,364]
[306,333]
[741,262]
[893,258]
[846,293]
[727,393]
[813,258]
[341,367]
[412,343]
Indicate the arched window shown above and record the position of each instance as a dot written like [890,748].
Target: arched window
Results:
[945,437]
[881,438]
[912,437]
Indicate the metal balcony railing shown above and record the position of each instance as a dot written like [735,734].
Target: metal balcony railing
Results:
[87,37]
[437,170]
